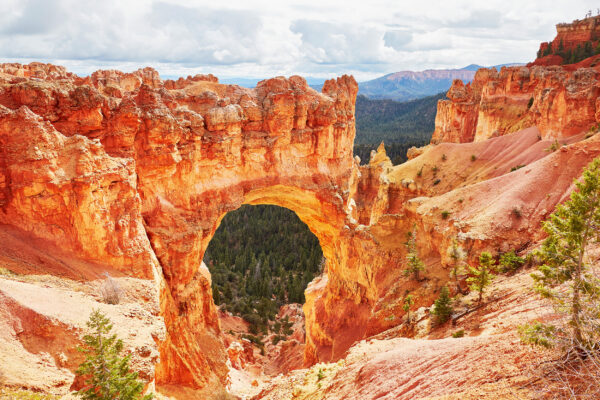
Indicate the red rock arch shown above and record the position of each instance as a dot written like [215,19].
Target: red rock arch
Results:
[137,173]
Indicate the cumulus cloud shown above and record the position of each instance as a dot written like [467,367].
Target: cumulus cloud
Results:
[397,39]
[262,38]
[329,43]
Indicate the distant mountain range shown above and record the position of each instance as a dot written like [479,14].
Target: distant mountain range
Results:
[399,86]
[410,85]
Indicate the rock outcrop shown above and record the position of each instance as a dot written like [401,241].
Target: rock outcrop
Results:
[571,35]
[560,102]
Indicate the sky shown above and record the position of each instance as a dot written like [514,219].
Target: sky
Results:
[258,39]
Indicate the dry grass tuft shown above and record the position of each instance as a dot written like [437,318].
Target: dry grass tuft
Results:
[110,290]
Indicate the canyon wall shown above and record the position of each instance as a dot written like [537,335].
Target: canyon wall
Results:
[574,34]
[560,102]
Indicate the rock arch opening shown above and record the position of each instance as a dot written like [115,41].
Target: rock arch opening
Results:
[261,259]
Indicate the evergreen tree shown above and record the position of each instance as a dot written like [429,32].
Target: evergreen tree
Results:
[414,264]
[217,296]
[510,262]
[442,307]
[587,50]
[407,304]
[106,372]
[482,275]
[571,229]
[457,268]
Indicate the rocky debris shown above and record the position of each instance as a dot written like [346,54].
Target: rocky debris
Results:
[489,362]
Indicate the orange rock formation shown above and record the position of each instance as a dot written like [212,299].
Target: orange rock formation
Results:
[574,34]
[560,102]
[135,173]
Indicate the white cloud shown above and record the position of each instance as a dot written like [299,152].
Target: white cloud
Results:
[260,38]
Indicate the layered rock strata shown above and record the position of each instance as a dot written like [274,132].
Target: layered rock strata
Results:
[560,102]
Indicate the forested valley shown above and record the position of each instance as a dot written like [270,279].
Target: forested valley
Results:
[400,125]
[261,258]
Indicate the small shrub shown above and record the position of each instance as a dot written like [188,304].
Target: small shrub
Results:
[420,173]
[473,157]
[530,103]
[436,182]
[554,146]
[445,214]
[320,375]
[517,213]
[414,264]
[434,169]
[442,308]
[444,158]
[407,304]
[517,167]
[458,334]
[537,334]
[6,272]
[461,200]
[110,290]
[510,262]
[277,338]
[22,394]
[253,338]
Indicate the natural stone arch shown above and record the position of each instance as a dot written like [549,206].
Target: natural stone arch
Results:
[295,150]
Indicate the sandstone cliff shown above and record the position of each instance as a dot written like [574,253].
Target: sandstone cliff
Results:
[568,37]
[560,102]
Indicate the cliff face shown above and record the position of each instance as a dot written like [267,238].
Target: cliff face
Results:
[574,34]
[560,102]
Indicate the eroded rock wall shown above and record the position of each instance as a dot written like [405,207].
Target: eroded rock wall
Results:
[560,102]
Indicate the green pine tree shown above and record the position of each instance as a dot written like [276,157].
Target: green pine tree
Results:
[457,270]
[482,275]
[414,264]
[565,276]
[442,307]
[407,304]
[106,372]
